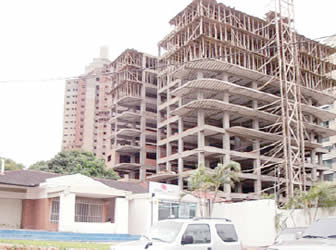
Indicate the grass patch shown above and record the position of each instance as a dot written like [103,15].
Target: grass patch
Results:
[58,244]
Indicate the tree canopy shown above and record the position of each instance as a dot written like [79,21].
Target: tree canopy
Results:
[321,195]
[73,162]
[204,181]
[12,165]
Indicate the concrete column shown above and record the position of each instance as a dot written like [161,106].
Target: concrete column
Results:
[239,188]
[320,159]
[256,149]
[131,175]
[201,136]
[313,161]
[142,135]
[226,136]
[168,146]
[116,155]
[180,151]
[121,215]
[169,151]
[66,211]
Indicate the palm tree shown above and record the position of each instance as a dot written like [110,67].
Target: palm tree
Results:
[224,174]
[321,195]
[205,183]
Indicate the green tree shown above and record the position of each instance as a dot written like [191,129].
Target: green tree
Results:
[321,195]
[12,165]
[205,183]
[73,162]
[39,165]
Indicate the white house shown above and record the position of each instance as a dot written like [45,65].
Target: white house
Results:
[73,203]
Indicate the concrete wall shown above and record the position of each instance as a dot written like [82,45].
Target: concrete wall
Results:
[139,215]
[10,213]
[67,218]
[254,220]
[121,216]
[35,215]
[302,218]
[67,212]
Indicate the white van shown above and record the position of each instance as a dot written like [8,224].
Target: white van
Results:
[196,234]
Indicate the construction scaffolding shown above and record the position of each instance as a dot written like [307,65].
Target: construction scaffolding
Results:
[241,88]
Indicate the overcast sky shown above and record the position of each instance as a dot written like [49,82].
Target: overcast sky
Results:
[53,39]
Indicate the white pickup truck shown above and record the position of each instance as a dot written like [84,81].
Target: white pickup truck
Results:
[196,234]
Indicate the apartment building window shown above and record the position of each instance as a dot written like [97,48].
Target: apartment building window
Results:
[54,211]
[89,210]
[151,156]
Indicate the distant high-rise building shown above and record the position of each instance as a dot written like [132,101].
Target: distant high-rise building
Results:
[111,111]
[86,109]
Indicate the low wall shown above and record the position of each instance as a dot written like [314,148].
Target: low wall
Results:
[11,247]
[254,220]
[82,227]
[302,218]
[10,213]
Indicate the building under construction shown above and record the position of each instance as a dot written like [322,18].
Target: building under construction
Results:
[236,87]
[133,114]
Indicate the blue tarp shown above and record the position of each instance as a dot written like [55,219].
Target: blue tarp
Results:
[63,236]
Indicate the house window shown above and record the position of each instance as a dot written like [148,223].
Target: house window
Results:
[182,210]
[89,210]
[54,210]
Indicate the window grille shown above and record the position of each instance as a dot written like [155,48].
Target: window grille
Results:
[54,210]
[89,210]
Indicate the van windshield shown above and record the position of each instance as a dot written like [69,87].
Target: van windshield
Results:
[165,231]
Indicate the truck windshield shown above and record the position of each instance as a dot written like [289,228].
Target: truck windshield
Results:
[165,231]
[322,228]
